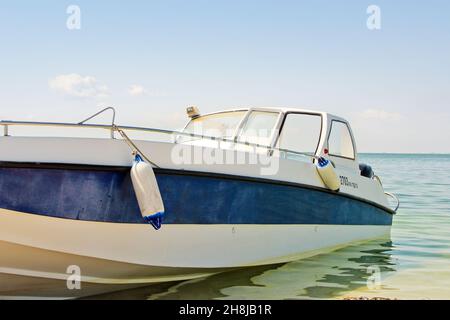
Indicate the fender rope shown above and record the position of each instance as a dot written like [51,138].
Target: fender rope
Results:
[133,146]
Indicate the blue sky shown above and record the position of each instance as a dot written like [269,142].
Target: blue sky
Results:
[151,59]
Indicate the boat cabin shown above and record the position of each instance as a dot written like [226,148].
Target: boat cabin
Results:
[289,133]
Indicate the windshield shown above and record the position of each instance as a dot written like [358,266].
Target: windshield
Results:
[259,127]
[300,133]
[219,125]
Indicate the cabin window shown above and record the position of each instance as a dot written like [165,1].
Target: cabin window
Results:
[300,133]
[259,128]
[219,125]
[340,142]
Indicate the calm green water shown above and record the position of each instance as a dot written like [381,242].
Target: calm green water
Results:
[413,264]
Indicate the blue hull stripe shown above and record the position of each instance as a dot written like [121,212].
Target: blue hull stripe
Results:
[108,196]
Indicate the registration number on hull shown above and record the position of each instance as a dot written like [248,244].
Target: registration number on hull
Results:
[346,182]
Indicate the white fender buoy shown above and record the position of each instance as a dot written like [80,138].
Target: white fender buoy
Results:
[328,174]
[147,192]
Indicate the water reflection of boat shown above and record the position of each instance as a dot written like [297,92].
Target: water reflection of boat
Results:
[325,276]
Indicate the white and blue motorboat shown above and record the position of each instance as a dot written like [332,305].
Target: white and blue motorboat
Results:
[233,189]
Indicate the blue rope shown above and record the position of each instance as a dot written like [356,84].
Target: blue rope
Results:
[138,158]
[155,220]
[323,162]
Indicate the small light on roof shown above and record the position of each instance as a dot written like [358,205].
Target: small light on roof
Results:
[193,112]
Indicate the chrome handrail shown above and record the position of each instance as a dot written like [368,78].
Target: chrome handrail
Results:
[393,196]
[100,112]
[114,127]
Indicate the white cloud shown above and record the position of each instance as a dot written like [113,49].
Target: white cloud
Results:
[136,90]
[379,114]
[76,85]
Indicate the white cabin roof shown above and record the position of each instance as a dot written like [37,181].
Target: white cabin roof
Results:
[280,109]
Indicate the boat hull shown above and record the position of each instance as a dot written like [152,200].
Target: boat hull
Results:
[106,194]
[31,272]
[55,217]
[117,256]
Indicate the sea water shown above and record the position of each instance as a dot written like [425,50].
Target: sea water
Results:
[414,263]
